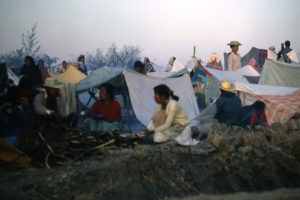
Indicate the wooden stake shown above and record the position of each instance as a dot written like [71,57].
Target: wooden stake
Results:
[194,54]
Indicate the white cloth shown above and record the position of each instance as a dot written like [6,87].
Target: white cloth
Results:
[280,74]
[234,61]
[164,136]
[249,91]
[293,56]
[141,94]
[177,66]
[233,76]
[271,55]
[175,115]
[66,101]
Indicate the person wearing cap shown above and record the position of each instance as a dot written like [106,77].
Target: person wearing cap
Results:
[228,104]
[234,58]
[51,104]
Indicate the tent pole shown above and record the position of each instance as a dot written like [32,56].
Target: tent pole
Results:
[194,53]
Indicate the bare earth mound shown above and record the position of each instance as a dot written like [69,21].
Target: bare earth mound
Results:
[230,160]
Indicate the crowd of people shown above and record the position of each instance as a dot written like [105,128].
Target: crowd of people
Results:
[25,104]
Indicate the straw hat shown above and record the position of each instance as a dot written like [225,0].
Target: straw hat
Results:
[52,83]
[234,43]
[226,86]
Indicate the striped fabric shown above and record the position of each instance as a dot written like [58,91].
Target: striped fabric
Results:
[280,108]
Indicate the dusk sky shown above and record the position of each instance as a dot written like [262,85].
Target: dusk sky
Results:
[161,28]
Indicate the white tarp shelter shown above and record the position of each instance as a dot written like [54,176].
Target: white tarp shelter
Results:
[142,94]
[280,74]
[233,76]
[249,91]
[141,90]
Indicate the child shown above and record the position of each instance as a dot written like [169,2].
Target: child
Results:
[258,116]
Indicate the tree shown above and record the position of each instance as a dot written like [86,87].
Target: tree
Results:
[30,47]
[114,57]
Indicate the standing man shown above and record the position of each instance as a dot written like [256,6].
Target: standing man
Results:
[287,54]
[234,58]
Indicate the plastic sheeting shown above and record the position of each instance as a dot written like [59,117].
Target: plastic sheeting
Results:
[249,91]
[168,74]
[141,94]
[233,76]
[98,77]
[177,66]
[280,74]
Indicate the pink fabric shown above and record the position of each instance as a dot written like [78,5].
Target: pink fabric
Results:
[280,108]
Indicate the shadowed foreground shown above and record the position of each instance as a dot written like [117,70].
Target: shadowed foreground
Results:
[230,160]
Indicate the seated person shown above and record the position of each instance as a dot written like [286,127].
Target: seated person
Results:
[51,104]
[138,67]
[105,114]
[13,119]
[228,104]
[258,116]
[170,119]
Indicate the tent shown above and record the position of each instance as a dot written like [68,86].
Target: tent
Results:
[259,55]
[71,75]
[168,74]
[69,78]
[141,94]
[140,89]
[206,81]
[280,74]
[281,102]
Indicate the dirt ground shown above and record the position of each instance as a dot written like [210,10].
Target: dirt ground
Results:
[230,160]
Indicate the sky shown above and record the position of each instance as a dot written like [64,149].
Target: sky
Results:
[161,28]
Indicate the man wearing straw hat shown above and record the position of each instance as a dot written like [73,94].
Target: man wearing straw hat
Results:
[51,104]
[228,104]
[234,59]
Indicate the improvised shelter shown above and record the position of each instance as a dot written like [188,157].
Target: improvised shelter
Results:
[259,55]
[206,81]
[280,74]
[281,97]
[71,75]
[281,102]
[174,65]
[140,89]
